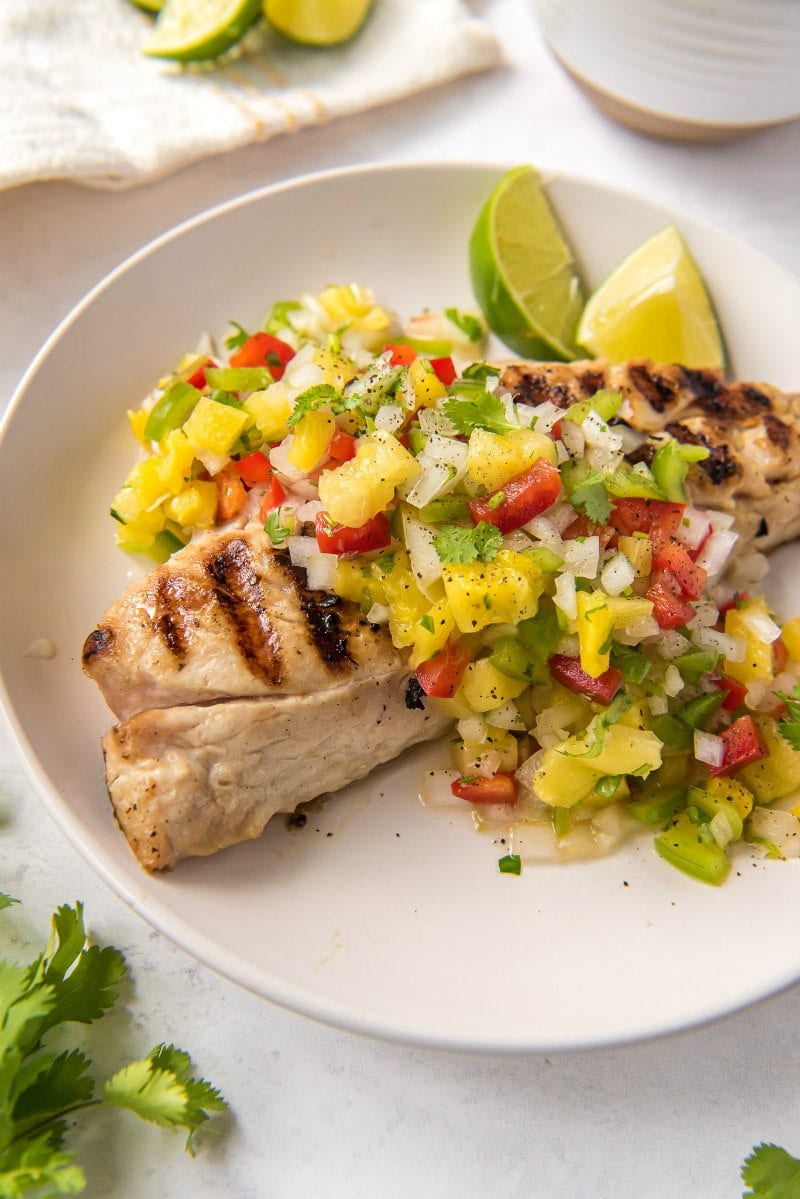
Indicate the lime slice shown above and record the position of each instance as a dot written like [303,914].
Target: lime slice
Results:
[317,22]
[196,30]
[654,305]
[523,272]
[149,5]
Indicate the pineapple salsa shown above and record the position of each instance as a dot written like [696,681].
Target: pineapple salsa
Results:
[574,614]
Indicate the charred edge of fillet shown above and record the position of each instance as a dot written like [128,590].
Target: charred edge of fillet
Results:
[736,403]
[322,611]
[703,384]
[97,644]
[719,465]
[414,695]
[778,433]
[659,392]
[531,388]
[237,588]
[592,381]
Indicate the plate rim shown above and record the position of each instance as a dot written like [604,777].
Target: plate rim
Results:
[294,997]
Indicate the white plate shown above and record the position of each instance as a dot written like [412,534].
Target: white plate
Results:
[390,920]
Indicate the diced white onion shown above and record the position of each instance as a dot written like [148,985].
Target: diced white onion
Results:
[301,549]
[279,459]
[762,626]
[599,433]
[321,572]
[389,417]
[716,551]
[721,831]
[545,416]
[780,828]
[562,453]
[706,615]
[473,729]
[672,644]
[638,631]
[617,575]
[582,558]
[565,596]
[505,717]
[631,438]
[379,614]
[545,531]
[525,773]
[436,479]
[708,748]
[573,437]
[756,692]
[309,510]
[433,420]
[425,562]
[525,416]
[694,528]
[570,645]
[732,648]
[721,520]
[673,681]
[448,450]
[658,705]
[600,458]
[561,516]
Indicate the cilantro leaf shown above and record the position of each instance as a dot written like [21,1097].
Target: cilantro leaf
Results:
[468,324]
[600,724]
[32,1164]
[592,496]
[235,341]
[771,1173]
[50,1084]
[480,411]
[275,529]
[789,728]
[456,544]
[6,901]
[322,395]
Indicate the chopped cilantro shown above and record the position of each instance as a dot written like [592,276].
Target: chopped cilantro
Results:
[480,411]
[235,341]
[487,601]
[592,496]
[385,562]
[770,1172]
[510,864]
[117,516]
[427,622]
[456,544]
[468,324]
[480,371]
[278,318]
[599,726]
[322,395]
[789,728]
[606,787]
[275,529]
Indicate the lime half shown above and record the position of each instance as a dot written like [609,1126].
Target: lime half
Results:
[317,22]
[654,305]
[196,30]
[523,272]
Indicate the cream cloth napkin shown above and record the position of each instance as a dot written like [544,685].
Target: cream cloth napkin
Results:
[78,99]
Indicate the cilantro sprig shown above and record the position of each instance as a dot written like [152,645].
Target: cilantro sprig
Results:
[73,982]
[481,410]
[789,728]
[458,544]
[770,1172]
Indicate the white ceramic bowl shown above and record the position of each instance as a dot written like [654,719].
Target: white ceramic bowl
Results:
[682,68]
[380,915]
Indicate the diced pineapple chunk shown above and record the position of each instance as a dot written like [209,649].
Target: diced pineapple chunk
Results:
[137,419]
[594,622]
[776,775]
[491,461]
[215,427]
[312,436]
[791,638]
[270,410]
[639,552]
[433,633]
[567,775]
[503,591]
[484,687]
[195,506]
[425,384]
[533,445]
[175,463]
[757,661]
[471,755]
[359,489]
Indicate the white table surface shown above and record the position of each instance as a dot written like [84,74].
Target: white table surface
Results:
[316,1111]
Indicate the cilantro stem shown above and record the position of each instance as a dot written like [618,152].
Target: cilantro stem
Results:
[55,1116]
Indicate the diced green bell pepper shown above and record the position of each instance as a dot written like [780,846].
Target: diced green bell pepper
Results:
[684,848]
[171,411]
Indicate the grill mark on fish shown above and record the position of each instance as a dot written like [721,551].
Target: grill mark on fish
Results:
[169,617]
[703,384]
[735,403]
[719,465]
[657,390]
[779,433]
[236,587]
[97,644]
[592,381]
[322,612]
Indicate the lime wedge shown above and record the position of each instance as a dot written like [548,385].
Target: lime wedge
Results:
[149,5]
[317,22]
[654,305]
[523,272]
[196,30]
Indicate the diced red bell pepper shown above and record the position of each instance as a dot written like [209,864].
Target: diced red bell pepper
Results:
[255,468]
[341,539]
[568,672]
[674,557]
[670,609]
[402,355]
[231,493]
[743,745]
[522,498]
[441,675]
[657,517]
[738,597]
[499,788]
[444,369]
[273,497]
[780,655]
[736,693]
[581,526]
[342,447]
[198,379]
[262,349]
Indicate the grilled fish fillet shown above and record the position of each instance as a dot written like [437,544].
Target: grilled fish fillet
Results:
[240,693]
[752,431]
